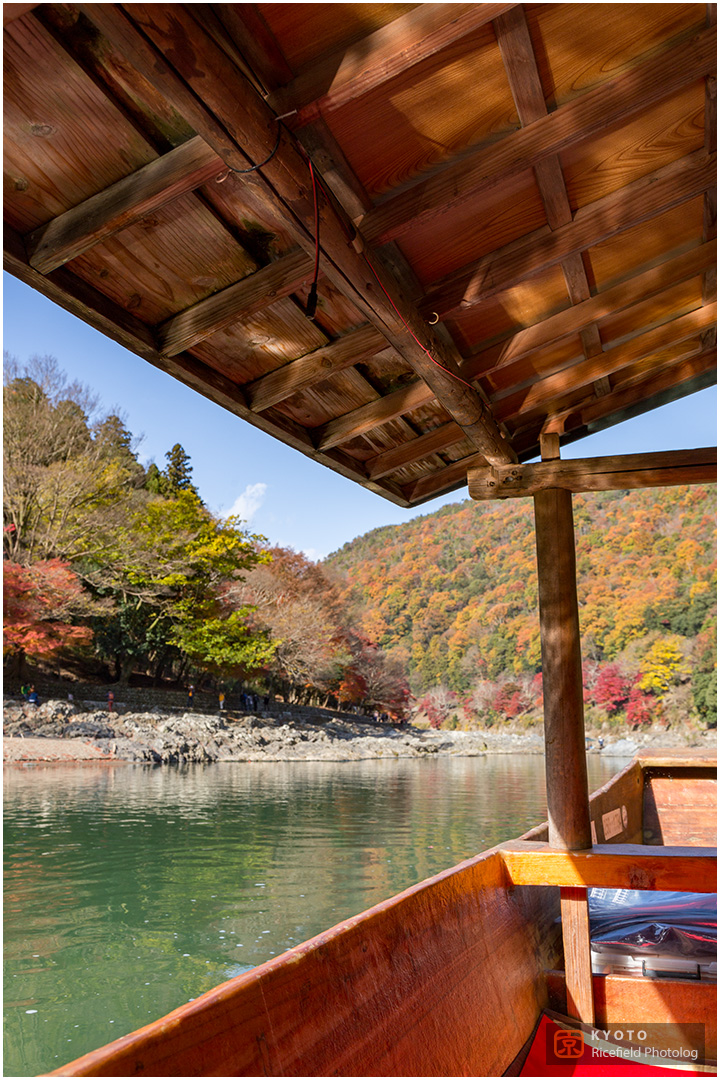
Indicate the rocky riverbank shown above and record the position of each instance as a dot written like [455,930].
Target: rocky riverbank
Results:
[63,731]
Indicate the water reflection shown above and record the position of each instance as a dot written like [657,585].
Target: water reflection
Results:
[129,890]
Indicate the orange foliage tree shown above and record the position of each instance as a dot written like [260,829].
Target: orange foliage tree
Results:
[39,602]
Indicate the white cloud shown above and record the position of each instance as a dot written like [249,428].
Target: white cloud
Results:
[313,554]
[248,504]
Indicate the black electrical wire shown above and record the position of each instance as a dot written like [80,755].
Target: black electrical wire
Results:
[271,155]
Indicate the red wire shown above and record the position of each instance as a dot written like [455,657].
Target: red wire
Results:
[417,340]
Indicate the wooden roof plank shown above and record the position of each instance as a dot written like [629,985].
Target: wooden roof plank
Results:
[640,201]
[187,167]
[381,56]
[521,65]
[80,299]
[359,274]
[415,450]
[368,416]
[239,301]
[668,468]
[300,374]
[573,319]
[554,386]
[574,122]
[638,394]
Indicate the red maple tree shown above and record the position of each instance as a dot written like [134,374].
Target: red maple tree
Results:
[38,601]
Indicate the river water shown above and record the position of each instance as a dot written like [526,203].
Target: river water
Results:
[130,890]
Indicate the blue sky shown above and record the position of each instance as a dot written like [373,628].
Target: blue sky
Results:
[293,501]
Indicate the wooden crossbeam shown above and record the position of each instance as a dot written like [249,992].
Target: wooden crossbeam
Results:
[662,469]
[572,320]
[350,425]
[203,85]
[306,371]
[574,122]
[545,390]
[415,450]
[382,55]
[85,302]
[612,866]
[238,301]
[520,62]
[640,201]
[129,200]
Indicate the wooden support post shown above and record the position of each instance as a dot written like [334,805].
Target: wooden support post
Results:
[565,764]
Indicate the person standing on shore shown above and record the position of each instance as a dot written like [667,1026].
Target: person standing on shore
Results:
[191,695]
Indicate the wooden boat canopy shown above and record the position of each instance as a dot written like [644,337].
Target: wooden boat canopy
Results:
[511,208]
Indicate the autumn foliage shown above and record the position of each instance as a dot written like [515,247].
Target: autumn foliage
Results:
[454,595]
[38,601]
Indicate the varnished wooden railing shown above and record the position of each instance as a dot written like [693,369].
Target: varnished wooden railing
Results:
[612,866]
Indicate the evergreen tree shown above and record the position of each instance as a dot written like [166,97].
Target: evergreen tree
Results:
[178,472]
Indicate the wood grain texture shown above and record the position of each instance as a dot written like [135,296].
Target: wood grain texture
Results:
[548,389]
[545,137]
[612,866]
[381,56]
[622,999]
[638,202]
[199,59]
[604,304]
[565,765]
[662,469]
[238,301]
[127,201]
[680,808]
[312,368]
[576,951]
[444,979]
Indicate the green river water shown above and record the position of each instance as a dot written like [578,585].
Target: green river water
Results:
[130,890]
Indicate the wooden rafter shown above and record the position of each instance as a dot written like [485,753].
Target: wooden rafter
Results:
[439,438]
[380,57]
[644,199]
[82,300]
[239,301]
[306,371]
[631,394]
[252,130]
[574,319]
[542,391]
[390,407]
[518,56]
[577,121]
[71,234]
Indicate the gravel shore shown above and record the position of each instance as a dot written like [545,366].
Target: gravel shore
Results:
[62,731]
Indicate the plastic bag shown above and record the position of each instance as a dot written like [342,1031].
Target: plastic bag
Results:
[654,923]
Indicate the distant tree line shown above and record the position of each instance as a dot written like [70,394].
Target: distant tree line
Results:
[118,570]
[452,597]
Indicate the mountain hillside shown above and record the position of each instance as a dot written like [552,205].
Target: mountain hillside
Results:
[453,595]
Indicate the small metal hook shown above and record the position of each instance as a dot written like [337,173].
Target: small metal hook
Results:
[432,322]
